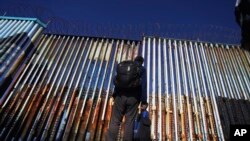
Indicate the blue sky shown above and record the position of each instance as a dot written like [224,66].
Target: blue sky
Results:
[208,20]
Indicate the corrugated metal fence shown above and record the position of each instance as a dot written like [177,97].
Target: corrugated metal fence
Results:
[17,39]
[195,89]
[62,93]
[187,81]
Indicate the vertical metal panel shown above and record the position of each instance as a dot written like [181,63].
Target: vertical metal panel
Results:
[197,129]
[64,89]
[16,40]
[173,91]
[185,85]
[213,99]
[199,94]
[159,90]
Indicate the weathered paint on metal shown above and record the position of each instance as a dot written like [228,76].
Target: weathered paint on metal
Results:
[68,81]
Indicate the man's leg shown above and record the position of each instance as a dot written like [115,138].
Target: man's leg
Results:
[116,119]
[131,111]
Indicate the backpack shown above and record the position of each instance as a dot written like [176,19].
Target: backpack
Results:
[128,75]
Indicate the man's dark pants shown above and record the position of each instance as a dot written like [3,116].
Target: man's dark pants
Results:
[124,105]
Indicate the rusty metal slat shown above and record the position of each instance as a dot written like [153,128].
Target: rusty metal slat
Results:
[19,101]
[57,104]
[101,113]
[128,46]
[10,64]
[75,105]
[234,103]
[247,55]
[78,118]
[218,79]
[22,85]
[92,125]
[214,103]
[245,63]
[124,51]
[212,70]
[207,102]
[185,86]
[153,109]
[133,49]
[27,104]
[240,103]
[144,50]
[217,70]
[90,100]
[203,125]
[120,52]
[166,98]
[35,104]
[238,74]
[78,101]
[10,44]
[231,76]
[20,40]
[130,51]
[163,99]
[175,132]
[67,96]
[6,97]
[65,110]
[136,49]
[14,64]
[233,73]
[179,93]
[148,68]
[240,91]
[148,74]
[197,127]
[43,91]
[86,105]
[159,92]
[243,72]
[219,51]
[54,117]
[223,70]
[44,111]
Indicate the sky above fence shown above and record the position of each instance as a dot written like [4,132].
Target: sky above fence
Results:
[207,20]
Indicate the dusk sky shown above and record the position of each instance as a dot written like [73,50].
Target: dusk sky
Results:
[208,20]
